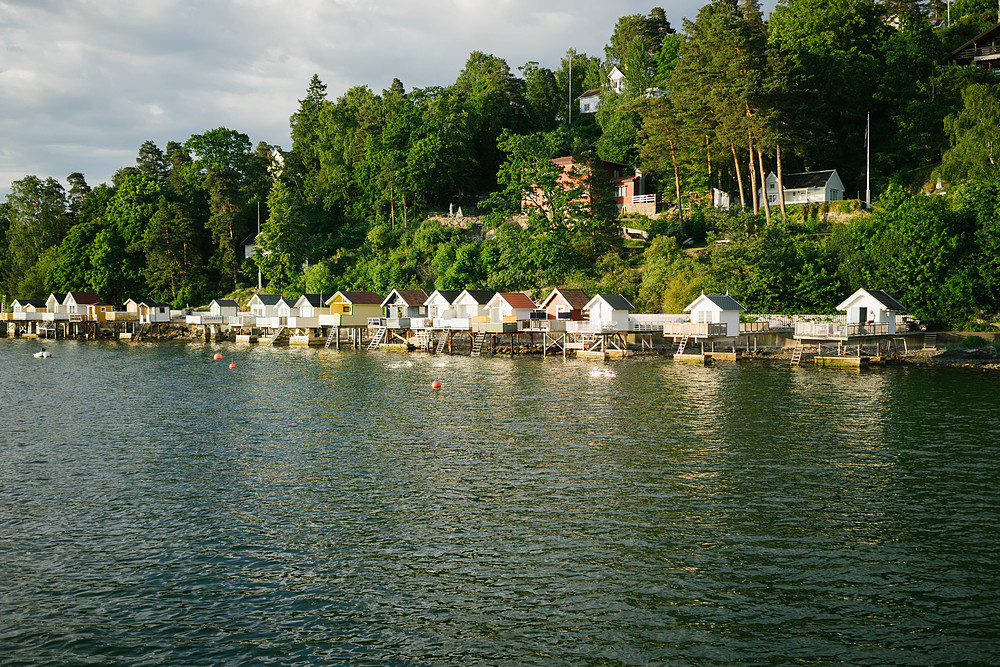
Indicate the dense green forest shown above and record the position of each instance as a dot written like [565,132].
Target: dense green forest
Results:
[356,202]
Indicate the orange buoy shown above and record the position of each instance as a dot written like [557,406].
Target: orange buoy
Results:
[218,355]
[436,384]
[232,366]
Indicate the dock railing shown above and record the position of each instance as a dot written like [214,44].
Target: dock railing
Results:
[639,322]
[695,329]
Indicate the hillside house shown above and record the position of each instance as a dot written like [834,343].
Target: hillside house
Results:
[805,187]
[982,51]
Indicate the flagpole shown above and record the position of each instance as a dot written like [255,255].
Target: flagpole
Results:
[868,162]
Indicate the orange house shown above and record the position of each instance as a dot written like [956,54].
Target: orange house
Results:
[629,186]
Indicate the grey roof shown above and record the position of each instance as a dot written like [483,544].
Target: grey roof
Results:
[226,303]
[889,302]
[149,303]
[273,299]
[481,296]
[724,301]
[617,301]
[808,179]
[30,302]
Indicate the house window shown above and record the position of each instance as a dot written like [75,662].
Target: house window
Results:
[770,185]
[834,195]
[622,191]
[347,310]
[772,199]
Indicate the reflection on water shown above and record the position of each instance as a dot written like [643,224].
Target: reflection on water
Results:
[319,505]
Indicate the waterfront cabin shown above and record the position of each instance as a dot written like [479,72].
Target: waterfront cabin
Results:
[268,305]
[720,310]
[55,302]
[310,305]
[565,304]
[224,308]
[153,312]
[404,308]
[351,309]
[28,305]
[609,312]
[439,306]
[86,306]
[871,312]
[506,307]
[472,303]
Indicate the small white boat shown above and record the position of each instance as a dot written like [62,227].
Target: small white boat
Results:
[44,354]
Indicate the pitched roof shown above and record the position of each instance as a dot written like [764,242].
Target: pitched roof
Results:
[411,297]
[251,240]
[990,33]
[593,92]
[517,300]
[314,300]
[86,298]
[149,303]
[616,301]
[576,298]
[481,296]
[60,297]
[268,299]
[448,295]
[723,301]
[29,302]
[883,298]
[359,298]
[807,179]
[225,303]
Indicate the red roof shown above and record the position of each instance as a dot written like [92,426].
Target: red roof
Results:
[361,297]
[87,298]
[412,297]
[576,298]
[517,300]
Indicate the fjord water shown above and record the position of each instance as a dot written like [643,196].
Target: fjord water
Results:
[315,506]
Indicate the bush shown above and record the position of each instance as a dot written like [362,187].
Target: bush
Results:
[973,325]
[974,342]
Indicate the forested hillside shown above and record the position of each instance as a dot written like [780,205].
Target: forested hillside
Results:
[717,102]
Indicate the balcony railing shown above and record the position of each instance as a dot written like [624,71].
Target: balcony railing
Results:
[695,329]
[840,330]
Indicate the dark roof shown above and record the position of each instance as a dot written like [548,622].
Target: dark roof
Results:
[360,298]
[269,299]
[593,92]
[481,296]
[617,301]
[411,297]
[251,240]
[30,302]
[576,298]
[60,297]
[314,300]
[226,303]
[724,301]
[86,298]
[889,302]
[449,295]
[808,179]
[149,303]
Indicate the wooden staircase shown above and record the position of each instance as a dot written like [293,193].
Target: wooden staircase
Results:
[930,341]
[377,340]
[797,353]
[442,341]
[477,344]
[682,345]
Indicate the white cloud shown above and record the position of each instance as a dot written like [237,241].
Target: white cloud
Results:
[83,83]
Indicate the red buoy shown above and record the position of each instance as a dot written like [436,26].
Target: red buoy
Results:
[436,384]
[232,366]
[218,355]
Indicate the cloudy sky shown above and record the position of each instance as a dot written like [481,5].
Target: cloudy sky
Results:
[83,83]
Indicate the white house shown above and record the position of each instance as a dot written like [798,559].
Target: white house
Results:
[472,303]
[716,309]
[589,100]
[616,80]
[267,305]
[27,305]
[151,312]
[609,312]
[873,309]
[310,305]
[807,187]
[509,307]
[439,304]
[223,308]
[56,302]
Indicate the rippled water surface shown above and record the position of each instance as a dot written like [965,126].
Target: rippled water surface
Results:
[314,506]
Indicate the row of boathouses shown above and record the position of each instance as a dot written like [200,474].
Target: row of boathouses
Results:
[567,321]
